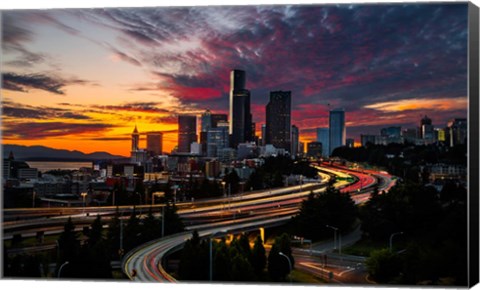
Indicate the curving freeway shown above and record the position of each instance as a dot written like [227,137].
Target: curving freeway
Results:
[264,212]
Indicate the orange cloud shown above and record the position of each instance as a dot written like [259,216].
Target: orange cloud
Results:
[421,104]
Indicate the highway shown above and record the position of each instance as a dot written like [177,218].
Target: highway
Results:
[244,212]
[146,260]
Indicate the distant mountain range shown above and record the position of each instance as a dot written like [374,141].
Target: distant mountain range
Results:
[42,153]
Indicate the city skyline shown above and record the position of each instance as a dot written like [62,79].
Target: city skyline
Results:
[108,69]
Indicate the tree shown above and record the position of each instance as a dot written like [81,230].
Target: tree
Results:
[221,262]
[278,265]
[173,223]
[329,208]
[132,232]
[68,243]
[113,236]
[151,227]
[383,265]
[259,259]
[194,262]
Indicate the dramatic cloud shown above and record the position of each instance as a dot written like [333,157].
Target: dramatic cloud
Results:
[29,131]
[383,64]
[22,83]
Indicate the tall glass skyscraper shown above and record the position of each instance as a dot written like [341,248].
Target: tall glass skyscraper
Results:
[338,132]
[323,136]
[278,119]
[240,117]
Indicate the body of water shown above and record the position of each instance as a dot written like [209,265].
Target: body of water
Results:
[44,166]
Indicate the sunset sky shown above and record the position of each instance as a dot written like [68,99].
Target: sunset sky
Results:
[82,79]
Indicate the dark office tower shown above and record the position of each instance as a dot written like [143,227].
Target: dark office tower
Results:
[278,119]
[217,118]
[187,132]
[338,131]
[457,130]
[206,120]
[154,143]
[295,140]
[240,116]
[314,149]
[426,128]
[135,139]
[264,134]
[206,123]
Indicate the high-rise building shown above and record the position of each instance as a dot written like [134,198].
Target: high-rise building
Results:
[240,116]
[187,132]
[209,121]
[217,118]
[278,119]
[264,134]
[314,149]
[154,143]
[426,129]
[367,139]
[457,131]
[294,141]
[301,148]
[323,136]
[337,128]
[206,121]
[217,139]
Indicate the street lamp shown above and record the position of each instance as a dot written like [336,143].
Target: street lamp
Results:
[61,267]
[211,255]
[223,185]
[289,264]
[391,238]
[334,236]
[84,195]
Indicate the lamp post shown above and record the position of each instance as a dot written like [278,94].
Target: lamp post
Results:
[334,236]
[289,264]
[84,195]
[391,239]
[211,254]
[61,267]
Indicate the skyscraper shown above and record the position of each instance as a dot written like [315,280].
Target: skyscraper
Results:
[209,121]
[217,139]
[217,118]
[187,132]
[337,129]
[278,119]
[206,120]
[426,129]
[323,136]
[240,117]
[264,134]
[154,143]
[457,131]
[295,140]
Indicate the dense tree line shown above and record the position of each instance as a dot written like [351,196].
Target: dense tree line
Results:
[330,207]
[404,160]
[433,246]
[236,261]
[270,174]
